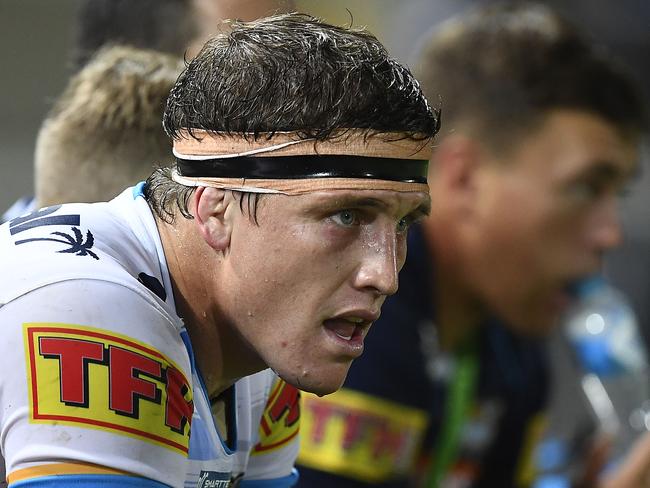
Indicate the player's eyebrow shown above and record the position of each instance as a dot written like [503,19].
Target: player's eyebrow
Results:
[605,170]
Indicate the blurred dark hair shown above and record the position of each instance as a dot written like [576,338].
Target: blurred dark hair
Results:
[293,72]
[499,68]
[162,25]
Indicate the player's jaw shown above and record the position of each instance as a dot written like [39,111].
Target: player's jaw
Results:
[323,348]
[545,306]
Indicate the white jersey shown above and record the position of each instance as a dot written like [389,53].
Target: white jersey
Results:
[98,377]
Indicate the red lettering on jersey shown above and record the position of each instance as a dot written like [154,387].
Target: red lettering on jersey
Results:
[280,422]
[355,426]
[321,412]
[388,441]
[178,410]
[265,426]
[74,356]
[288,400]
[359,428]
[126,386]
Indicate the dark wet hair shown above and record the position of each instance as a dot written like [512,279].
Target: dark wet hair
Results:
[292,72]
[499,68]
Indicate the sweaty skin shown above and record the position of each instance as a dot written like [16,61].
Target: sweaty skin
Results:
[352,244]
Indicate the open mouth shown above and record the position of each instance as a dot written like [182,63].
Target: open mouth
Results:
[348,328]
[348,331]
[567,294]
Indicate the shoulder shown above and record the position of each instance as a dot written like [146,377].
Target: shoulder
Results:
[78,241]
[107,312]
[89,353]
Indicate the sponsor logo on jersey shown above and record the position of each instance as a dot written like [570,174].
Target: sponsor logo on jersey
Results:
[74,240]
[359,436]
[213,479]
[281,419]
[90,377]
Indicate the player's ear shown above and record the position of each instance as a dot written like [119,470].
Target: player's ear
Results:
[213,209]
[456,166]
[457,161]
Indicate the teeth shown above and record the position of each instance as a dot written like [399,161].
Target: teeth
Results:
[354,320]
[344,337]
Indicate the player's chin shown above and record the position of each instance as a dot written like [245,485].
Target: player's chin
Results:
[320,381]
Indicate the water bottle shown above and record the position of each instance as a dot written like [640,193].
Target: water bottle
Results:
[602,330]
[552,460]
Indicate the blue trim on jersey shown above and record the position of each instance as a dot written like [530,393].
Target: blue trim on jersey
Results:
[232,414]
[201,445]
[88,481]
[284,482]
[138,190]
[190,352]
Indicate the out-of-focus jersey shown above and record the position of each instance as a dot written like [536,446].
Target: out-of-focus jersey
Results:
[22,206]
[382,427]
[98,384]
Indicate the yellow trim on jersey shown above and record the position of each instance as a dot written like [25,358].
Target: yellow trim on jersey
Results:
[359,436]
[60,469]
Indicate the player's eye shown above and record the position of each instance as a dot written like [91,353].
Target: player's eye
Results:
[346,218]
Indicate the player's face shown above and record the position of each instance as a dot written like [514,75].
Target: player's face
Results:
[546,215]
[311,277]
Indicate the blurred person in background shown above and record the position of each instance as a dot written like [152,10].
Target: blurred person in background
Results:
[540,134]
[178,27]
[104,132]
[143,24]
[167,26]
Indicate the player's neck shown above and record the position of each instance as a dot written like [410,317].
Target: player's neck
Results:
[458,311]
[218,350]
[458,314]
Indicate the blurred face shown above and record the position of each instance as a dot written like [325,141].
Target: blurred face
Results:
[210,15]
[544,216]
[308,281]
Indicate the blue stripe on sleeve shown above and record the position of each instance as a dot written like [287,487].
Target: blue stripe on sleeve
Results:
[88,481]
[284,482]
[138,190]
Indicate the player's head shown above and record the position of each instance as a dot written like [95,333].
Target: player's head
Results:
[167,26]
[176,27]
[540,133]
[104,132]
[336,136]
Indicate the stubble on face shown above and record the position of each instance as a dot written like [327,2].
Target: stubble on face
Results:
[296,279]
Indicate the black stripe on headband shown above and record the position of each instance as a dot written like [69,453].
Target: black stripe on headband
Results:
[301,167]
